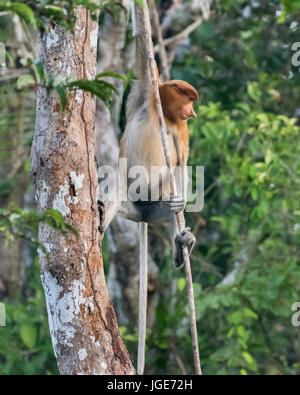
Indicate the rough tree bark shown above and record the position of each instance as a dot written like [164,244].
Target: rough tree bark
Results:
[83,326]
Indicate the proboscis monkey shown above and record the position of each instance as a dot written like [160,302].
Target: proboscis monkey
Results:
[141,145]
[142,148]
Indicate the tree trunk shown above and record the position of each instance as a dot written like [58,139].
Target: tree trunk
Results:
[83,326]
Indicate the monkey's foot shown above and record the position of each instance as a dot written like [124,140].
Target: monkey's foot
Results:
[101,208]
[184,239]
[176,203]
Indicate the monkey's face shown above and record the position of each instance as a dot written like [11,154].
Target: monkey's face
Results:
[177,99]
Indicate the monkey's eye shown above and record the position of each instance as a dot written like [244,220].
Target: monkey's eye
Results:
[175,85]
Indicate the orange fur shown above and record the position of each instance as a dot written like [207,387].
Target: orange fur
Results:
[141,143]
[175,95]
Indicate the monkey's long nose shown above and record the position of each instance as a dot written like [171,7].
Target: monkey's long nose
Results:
[193,114]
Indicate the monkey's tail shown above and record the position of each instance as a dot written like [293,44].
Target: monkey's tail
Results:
[143,232]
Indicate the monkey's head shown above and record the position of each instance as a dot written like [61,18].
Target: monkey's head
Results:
[177,98]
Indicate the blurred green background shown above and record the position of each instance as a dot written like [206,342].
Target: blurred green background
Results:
[246,264]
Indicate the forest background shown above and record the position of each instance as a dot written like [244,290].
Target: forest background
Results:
[241,56]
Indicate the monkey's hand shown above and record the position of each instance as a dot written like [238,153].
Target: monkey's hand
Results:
[184,239]
[101,208]
[176,203]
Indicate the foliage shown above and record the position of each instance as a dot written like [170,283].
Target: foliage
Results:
[255,157]
[17,222]
[246,265]
[246,262]
[21,9]
[25,343]
[289,7]
[61,12]
[97,86]
[240,44]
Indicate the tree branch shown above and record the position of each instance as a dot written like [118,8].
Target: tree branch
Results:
[145,22]
[183,35]
[165,69]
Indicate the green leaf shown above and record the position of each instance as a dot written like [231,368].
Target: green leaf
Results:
[282,17]
[130,337]
[22,10]
[62,93]
[55,9]
[268,156]
[250,313]
[123,330]
[27,165]
[244,107]
[240,330]
[254,193]
[254,91]
[99,88]
[39,72]
[250,360]
[25,81]
[28,334]
[181,283]
[247,357]
[56,216]
[111,74]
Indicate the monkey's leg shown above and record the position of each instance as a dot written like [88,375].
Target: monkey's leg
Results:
[157,211]
[182,239]
[143,231]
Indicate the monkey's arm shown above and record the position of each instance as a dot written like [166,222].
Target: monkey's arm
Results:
[177,203]
[141,94]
